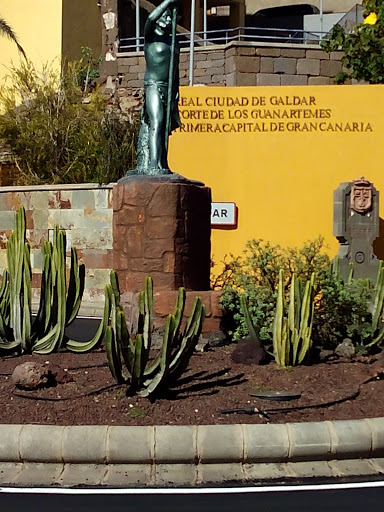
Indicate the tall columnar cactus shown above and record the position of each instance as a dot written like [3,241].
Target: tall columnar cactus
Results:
[59,302]
[292,334]
[145,376]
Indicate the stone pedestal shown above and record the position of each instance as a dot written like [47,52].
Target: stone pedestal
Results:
[161,229]
[356,226]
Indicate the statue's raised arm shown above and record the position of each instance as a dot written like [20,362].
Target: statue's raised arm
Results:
[160,115]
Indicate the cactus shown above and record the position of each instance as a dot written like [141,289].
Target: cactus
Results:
[248,321]
[144,377]
[59,303]
[377,309]
[292,334]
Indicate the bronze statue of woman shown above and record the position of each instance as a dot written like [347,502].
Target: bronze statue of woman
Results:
[160,115]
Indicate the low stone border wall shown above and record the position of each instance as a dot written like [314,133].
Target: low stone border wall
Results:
[189,455]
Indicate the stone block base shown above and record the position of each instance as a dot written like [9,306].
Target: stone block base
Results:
[161,229]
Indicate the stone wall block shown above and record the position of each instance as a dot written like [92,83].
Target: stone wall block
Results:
[293,52]
[317,54]
[160,227]
[319,80]
[247,50]
[128,61]
[308,67]
[246,79]
[248,64]
[231,79]
[163,201]
[203,64]
[170,263]
[268,52]
[146,266]
[130,215]
[132,281]
[137,69]
[266,65]
[200,73]
[163,281]
[285,65]
[157,248]
[217,55]
[294,80]
[217,71]
[268,79]
[230,64]
[200,55]
[133,244]
[330,68]
[164,302]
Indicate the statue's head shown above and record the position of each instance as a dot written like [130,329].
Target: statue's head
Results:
[164,23]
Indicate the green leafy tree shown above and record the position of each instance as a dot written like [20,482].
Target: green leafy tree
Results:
[6,30]
[363,48]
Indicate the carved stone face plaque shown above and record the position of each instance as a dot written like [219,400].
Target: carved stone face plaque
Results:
[361,196]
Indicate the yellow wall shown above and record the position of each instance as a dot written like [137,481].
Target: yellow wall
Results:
[38,27]
[281,181]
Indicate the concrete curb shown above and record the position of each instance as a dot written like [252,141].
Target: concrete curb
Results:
[189,455]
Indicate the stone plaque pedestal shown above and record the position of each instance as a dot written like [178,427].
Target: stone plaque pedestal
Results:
[356,226]
[161,229]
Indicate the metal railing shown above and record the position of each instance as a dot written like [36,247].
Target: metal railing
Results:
[225,36]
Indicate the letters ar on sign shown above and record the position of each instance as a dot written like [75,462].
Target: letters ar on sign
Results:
[223,214]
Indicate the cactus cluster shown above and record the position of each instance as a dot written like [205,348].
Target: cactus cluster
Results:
[292,334]
[59,301]
[143,374]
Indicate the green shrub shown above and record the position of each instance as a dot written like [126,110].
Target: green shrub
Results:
[256,275]
[352,309]
[60,129]
[342,311]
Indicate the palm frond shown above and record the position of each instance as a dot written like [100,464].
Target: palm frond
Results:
[7,31]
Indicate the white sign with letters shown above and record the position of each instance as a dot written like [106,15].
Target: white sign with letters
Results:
[223,214]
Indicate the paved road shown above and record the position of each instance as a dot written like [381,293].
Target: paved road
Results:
[299,500]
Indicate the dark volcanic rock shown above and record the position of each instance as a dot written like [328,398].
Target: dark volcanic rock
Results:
[247,351]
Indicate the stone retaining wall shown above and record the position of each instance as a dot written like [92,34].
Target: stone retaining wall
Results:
[246,64]
[83,211]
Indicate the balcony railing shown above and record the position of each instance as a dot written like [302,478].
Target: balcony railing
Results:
[225,36]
